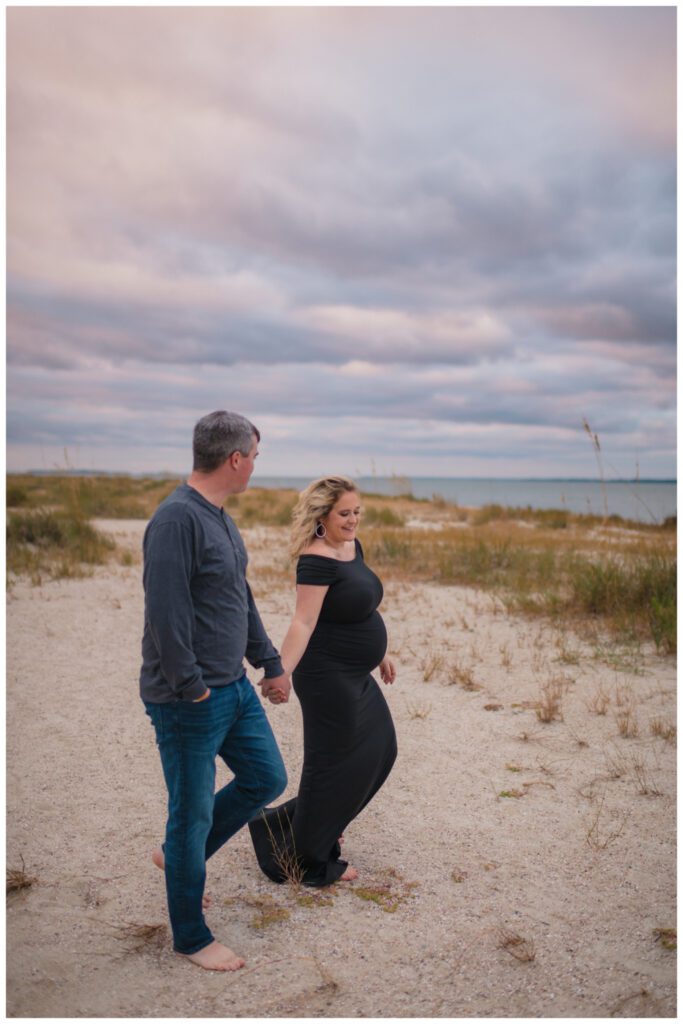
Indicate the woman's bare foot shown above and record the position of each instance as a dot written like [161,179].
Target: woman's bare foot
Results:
[348,875]
[215,957]
[158,859]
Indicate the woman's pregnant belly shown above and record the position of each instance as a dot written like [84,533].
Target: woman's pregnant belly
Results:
[357,646]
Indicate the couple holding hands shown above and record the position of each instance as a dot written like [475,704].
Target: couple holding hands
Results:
[201,621]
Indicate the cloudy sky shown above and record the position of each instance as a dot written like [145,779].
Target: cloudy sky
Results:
[422,241]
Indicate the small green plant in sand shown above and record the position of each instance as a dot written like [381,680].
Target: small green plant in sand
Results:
[267,911]
[388,893]
[621,656]
[667,937]
[315,898]
[512,794]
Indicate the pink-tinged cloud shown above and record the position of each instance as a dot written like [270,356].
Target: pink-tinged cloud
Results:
[464,216]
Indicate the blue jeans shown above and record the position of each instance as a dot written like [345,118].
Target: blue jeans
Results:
[232,724]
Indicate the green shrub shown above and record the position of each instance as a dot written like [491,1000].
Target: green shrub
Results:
[389,548]
[552,518]
[613,585]
[110,497]
[488,513]
[381,517]
[54,543]
[643,589]
[663,625]
[16,497]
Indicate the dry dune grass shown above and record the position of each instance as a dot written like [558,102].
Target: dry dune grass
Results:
[18,879]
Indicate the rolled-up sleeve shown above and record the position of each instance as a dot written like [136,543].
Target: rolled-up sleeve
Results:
[260,651]
[169,610]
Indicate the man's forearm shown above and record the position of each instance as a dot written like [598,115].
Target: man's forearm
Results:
[178,665]
[168,608]
[261,652]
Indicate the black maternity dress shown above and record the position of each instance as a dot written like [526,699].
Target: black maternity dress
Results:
[349,737]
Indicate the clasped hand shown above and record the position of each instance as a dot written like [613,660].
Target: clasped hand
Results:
[276,689]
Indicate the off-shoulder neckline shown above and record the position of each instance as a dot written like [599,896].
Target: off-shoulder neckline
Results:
[329,558]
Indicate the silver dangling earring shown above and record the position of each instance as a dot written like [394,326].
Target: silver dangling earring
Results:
[319,527]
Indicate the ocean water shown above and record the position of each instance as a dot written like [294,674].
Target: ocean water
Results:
[648,501]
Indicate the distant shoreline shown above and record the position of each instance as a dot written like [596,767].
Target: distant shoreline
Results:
[257,481]
[640,500]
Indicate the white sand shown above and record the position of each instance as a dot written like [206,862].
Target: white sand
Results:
[86,803]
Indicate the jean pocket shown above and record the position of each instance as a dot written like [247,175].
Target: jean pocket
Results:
[202,710]
[197,703]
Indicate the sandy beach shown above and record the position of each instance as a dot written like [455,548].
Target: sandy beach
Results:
[510,867]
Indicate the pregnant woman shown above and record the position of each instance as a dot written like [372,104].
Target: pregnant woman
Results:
[336,638]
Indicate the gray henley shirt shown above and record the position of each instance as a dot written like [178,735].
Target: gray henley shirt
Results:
[200,615]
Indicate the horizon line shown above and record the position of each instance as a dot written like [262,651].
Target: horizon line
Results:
[362,476]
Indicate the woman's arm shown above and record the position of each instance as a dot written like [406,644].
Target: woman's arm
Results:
[309,601]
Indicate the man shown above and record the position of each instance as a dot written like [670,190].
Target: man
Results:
[200,622]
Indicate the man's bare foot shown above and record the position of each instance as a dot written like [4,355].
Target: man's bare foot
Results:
[215,957]
[348,875]
[158,859]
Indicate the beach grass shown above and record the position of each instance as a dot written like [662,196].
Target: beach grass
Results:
[56,544]
[626,582]
[105,497]
[569,567]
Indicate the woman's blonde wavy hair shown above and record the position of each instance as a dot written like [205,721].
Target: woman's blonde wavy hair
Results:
[314,503]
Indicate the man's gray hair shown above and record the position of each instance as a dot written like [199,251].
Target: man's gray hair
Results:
[217,435]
